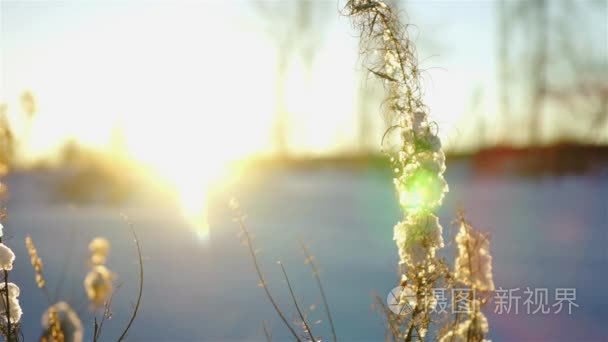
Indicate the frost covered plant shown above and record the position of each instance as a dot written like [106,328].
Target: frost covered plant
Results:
[7,257]
[98,282]
[419,165]
[474,262]
[60,323]
[14,307]
[10,310]
[418,159]
[472,268]
[474,328]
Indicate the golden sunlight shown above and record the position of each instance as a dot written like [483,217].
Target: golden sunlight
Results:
[175,111]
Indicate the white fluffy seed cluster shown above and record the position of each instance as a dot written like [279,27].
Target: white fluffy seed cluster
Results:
[7,257]
[13,304]
[418,237]
[70,324]
[98,282]
[99,248]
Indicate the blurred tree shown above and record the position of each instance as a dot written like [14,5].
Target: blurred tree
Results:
[28,104]
[562,68]
[6,139]
[297,29]
[503,65]
[368,100]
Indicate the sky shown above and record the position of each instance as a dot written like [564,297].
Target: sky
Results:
[165,76]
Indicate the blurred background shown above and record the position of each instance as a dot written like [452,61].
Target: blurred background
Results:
[166,110]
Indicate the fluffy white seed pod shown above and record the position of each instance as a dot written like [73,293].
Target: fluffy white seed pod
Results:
[99,248]
[98,285]
[13,290]
[7,257]
[13,303]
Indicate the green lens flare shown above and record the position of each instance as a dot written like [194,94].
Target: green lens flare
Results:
[421,190]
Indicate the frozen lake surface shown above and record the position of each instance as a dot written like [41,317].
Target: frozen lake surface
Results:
[546,233]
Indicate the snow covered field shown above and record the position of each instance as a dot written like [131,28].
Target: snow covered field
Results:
[546,233]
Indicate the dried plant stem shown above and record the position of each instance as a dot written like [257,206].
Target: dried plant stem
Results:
[7,305]
[315,272]
[295,303]
[412,325]
[106,315]
[141,280]
[7,302]
[266,332]
[95,329]
[261,278]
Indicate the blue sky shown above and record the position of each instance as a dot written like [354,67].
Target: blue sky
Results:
[98,67]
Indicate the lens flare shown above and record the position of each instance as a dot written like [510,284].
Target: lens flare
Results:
[421,190]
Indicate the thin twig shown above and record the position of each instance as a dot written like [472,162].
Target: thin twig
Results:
[8,308]
[141,279]
[95,329]
[261,276]
[295,303]
[7,305]
[315,272]
[266,332]
[106,313]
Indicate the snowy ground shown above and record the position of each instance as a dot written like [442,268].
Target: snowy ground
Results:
[546,233]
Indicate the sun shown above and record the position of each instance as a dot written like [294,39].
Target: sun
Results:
[189,161]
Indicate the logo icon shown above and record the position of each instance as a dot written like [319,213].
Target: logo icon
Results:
[398,307]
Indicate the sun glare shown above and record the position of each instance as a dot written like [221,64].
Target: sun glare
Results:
[185,99]
[184,111]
